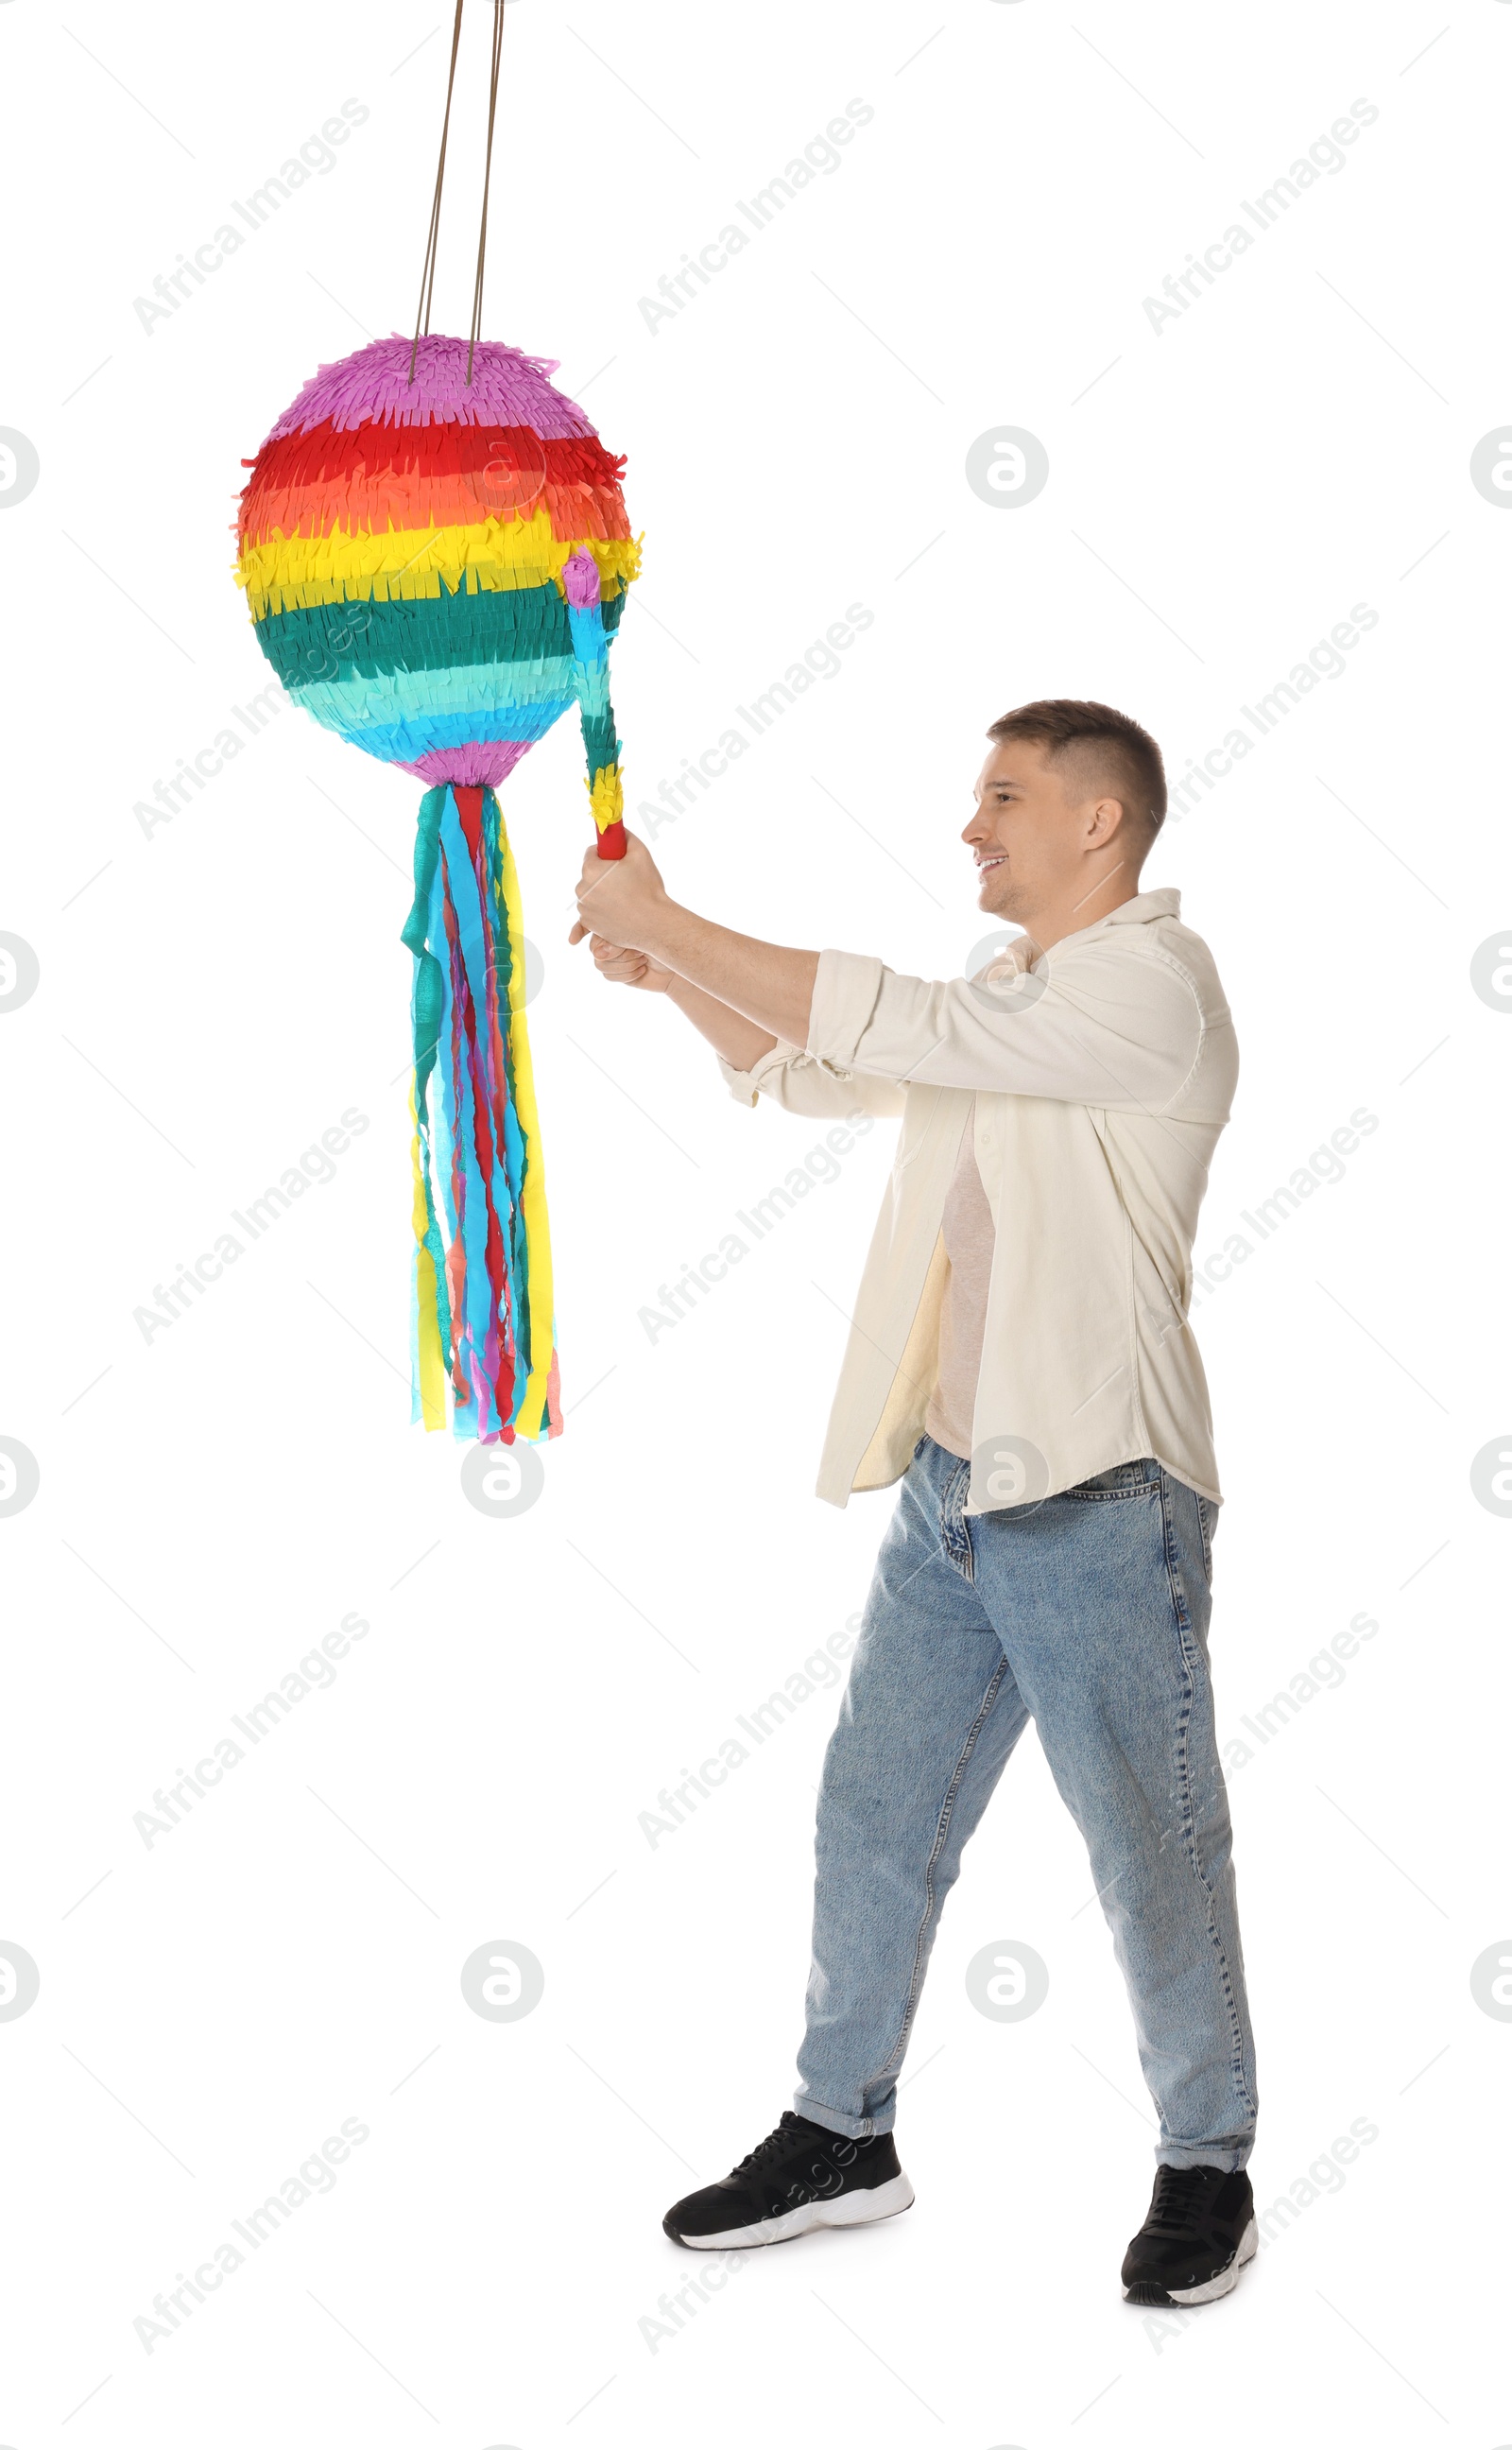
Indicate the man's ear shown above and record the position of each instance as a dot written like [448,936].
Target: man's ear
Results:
[1107,816]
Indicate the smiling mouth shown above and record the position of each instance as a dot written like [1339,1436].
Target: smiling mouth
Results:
[996,859]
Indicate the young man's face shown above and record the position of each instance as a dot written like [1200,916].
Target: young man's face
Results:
[1027,834]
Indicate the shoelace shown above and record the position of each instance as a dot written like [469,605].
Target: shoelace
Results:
[780,2140]
[1179,2193]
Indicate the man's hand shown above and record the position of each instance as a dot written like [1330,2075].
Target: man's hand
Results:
[621,898]
[624,969]
[770,985]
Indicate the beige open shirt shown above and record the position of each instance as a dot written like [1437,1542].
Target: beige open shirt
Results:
[1100,1074]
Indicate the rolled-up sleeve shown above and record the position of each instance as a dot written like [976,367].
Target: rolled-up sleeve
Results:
[1103,1026]
[807,1084]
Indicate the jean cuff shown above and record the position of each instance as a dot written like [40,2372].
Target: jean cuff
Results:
[859,2129]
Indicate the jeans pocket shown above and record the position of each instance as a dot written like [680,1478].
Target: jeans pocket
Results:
[1124,1480]
[1207,1516]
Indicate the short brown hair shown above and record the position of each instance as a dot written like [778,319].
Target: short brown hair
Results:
[1123,751]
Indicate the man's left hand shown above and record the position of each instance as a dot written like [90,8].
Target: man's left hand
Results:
[620,898]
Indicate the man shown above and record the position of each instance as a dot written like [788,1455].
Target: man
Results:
[1021,1359]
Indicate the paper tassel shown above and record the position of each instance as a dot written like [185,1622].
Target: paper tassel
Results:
[481,1314]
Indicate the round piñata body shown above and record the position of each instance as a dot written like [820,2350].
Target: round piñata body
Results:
[402,548]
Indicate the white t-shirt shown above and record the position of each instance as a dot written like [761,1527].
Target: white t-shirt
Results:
[970,1238]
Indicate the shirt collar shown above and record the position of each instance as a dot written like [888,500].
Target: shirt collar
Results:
[1022,953]
[1164,903]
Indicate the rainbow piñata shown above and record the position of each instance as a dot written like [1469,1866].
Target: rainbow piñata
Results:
[434,569]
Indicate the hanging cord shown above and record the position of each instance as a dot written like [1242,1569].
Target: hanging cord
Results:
[422,312]
[476,328]
[428,275]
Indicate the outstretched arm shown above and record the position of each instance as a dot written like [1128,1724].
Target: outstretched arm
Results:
[755,1064]
[772,986]
[738,1039]
[1107,1023]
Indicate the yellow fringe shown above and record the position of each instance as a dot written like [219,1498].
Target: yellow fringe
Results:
[606,796]
[288,572]
[432,1360]
[533,1193]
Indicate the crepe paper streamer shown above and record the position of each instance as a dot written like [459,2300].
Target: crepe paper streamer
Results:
[435,570]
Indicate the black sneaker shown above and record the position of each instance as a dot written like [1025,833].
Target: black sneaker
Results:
[800,2177]
[1199,2232]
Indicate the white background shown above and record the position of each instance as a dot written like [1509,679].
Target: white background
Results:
[214,995]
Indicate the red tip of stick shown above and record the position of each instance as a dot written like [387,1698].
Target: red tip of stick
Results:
[612,841]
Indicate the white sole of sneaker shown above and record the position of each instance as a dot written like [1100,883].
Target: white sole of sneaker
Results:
[842,2211]
[1221,2281]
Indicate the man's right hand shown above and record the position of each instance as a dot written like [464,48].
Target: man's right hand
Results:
[739,1041]
[624,969]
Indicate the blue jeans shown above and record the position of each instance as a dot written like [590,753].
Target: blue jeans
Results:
[1087,1612]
